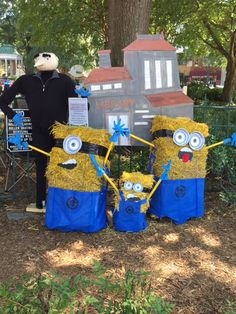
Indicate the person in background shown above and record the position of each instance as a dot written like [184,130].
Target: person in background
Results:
[46,93]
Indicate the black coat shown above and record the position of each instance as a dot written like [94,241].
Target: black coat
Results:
[47,102]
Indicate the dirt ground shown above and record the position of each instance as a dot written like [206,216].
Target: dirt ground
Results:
[192,265]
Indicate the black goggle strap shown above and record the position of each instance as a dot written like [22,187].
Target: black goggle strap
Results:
[44,55]
[87,148]
[163,133]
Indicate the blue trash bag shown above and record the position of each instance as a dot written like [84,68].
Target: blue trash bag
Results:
[178,200]
[69,210]
[129,218]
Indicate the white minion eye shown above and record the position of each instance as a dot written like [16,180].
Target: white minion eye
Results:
[181,137]
[197,141]
[128,185]
[72,144]
[138,187]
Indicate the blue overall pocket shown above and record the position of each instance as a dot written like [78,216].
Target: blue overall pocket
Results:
[75,211]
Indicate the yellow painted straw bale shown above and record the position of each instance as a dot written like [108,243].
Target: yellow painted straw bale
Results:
[83,176]
[166,149]
[135,177]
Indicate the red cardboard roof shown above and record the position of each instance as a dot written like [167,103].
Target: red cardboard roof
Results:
[104,51]
[108,74]
[150,44]
[169,99]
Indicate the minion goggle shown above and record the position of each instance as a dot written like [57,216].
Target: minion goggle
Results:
[72,145]
[181,137]
[136,187]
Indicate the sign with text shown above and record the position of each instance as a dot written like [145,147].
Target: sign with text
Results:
[78,111]
[25,130]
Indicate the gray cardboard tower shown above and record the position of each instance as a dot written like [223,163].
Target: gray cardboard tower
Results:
[146,86]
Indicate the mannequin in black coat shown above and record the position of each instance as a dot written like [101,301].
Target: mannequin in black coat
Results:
[46,94]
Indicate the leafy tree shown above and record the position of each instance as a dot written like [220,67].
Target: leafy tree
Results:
[205,27]
[73,29]
[7,22]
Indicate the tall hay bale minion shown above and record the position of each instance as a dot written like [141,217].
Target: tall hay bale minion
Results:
[183,141]
[76,196]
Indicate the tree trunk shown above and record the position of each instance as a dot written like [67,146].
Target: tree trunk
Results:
[230,80]
[126,18]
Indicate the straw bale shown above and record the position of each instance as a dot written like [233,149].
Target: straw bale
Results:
[135,177]
[83,177]
[166,149]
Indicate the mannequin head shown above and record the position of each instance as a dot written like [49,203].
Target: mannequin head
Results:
[46,61]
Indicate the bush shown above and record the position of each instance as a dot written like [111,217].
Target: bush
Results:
[82,295]
[197,90]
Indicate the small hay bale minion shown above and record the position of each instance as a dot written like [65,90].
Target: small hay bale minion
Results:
[183,141]
[76,196]
[131,203]
[132,200]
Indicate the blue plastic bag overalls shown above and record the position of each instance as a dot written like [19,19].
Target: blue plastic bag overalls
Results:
[178,200]
[76,211]
[129,218]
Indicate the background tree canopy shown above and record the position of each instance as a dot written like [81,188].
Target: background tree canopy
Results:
[75,30]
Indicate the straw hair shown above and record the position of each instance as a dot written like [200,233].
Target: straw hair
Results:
[135,177]
[167,149]
[84,176]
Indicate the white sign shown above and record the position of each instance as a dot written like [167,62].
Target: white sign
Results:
[78,111]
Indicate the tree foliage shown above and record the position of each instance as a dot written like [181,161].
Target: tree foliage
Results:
[74,30]
[7,22]
[205,27]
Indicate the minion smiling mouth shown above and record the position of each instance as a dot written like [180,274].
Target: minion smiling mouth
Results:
[185,154]
[132,198]
[69,164]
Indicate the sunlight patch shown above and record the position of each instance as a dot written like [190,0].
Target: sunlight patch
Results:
[171,238]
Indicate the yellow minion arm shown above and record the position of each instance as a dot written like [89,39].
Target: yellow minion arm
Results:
[216,144]
[101,172]
[141,140]
[111,182]
[108,152]
[39,150]
[154,189]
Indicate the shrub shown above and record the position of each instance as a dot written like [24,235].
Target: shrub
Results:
[197,90]
[82,295]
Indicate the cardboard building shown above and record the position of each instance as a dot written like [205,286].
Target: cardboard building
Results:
[147,85]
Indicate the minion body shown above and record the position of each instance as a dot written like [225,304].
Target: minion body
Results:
[183,141]
[76,196]
[131,204]
[71,169]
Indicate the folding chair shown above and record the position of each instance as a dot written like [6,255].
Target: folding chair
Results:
[19,166]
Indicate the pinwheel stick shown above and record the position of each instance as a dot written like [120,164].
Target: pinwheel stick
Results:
[39,150]
[108,153]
